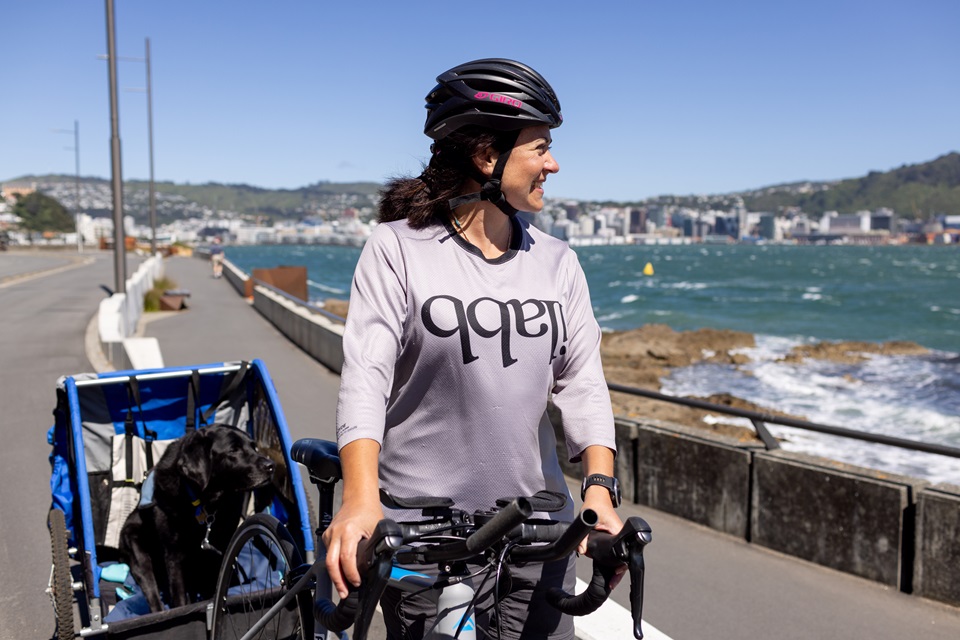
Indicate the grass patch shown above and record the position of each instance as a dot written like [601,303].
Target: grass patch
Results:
[151,301]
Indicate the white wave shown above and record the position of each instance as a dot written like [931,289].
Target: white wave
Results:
[812,296]
[684,285]
[769,347]
[610,316]
[629,298]
[327,288]
[881,396]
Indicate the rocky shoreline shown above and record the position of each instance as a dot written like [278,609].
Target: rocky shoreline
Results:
[642,357]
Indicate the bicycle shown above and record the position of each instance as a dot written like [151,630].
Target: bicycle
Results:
[292,596]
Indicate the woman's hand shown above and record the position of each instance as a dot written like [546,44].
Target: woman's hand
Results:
[607,520]
[353,522]
[597,459]
[358,515]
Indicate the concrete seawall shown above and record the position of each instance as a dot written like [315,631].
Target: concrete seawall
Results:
[895,530]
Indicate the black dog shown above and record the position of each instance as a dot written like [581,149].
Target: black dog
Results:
[174,544]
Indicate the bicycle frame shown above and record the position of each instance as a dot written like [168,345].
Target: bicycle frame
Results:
[383,558]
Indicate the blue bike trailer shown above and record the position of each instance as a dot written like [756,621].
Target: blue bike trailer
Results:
[99,420]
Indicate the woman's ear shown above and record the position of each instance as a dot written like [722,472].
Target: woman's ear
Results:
[486,160]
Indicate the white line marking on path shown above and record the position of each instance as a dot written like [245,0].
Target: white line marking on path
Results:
[17,278]
[611,622]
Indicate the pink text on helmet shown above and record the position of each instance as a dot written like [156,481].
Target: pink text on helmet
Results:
[496,97]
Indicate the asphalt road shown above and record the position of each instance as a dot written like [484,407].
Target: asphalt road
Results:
[700,584]
[43,320]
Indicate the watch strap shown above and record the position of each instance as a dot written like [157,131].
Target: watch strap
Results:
[609,482]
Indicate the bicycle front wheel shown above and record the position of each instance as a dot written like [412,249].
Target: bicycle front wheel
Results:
[61,582]
[259,557]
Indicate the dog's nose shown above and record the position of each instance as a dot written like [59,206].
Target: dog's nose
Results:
[267,465]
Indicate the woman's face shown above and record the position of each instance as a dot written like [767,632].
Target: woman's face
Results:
[527,168]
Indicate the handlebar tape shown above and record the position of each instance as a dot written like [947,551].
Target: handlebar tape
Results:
[562,546]
[337,617]
[590,600]
[374,556]
[507,518]
[609,552]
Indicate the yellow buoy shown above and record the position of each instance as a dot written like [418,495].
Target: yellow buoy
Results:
[648,270]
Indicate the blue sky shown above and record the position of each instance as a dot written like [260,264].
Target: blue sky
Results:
[658,98]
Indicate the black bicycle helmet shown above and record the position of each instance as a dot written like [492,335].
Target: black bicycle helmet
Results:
[495,94]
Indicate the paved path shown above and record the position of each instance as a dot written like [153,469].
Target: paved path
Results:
[700,584]
[219,325]
[43,320]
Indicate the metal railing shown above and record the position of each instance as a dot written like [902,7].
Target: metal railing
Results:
[759,420]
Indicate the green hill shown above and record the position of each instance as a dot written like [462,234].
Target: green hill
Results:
[176,201]
[917,191]
[254,201]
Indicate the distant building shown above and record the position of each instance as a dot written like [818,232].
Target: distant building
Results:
[12,191]
[837,223]
[883,220]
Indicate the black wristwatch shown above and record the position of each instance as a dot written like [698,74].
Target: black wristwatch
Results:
[611,483]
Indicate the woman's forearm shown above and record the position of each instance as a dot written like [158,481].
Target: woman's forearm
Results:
[359,461]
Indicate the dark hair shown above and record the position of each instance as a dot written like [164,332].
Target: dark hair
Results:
[423,200]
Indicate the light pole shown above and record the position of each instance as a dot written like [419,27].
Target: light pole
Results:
[153,195]
[76,149]
[119,239]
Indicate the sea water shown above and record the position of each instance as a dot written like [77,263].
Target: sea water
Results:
[786,296]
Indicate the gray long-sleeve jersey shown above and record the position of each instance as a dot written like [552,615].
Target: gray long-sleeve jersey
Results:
[449,360]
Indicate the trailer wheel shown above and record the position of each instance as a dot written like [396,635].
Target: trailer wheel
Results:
[252,578]
[61,581]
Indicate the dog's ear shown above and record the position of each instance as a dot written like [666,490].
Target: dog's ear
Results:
[194,460]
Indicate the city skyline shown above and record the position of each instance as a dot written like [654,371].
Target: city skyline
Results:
[690,98]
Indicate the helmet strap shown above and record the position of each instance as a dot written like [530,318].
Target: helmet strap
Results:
[490,189]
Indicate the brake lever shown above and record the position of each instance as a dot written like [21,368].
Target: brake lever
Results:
[624,547]
[635,535]
[374,559]
[375,573]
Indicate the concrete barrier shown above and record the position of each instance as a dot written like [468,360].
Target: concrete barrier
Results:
[937,567]
[841,516]
[143,353]
[313,331]
[242,282]
[693,474]
[118,315]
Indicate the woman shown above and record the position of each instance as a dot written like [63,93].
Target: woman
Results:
[463,320]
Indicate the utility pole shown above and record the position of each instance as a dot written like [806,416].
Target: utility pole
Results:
[153,194]
[119,237]
[76,149]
